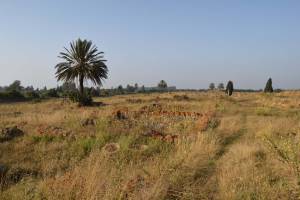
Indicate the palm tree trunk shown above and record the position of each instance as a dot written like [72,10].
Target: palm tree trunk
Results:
[81,85]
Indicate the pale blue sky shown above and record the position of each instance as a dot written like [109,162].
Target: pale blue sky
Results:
[187,43]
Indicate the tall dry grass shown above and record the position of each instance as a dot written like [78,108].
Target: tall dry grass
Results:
[248,150]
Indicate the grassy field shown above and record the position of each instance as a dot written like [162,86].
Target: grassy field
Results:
[184,145]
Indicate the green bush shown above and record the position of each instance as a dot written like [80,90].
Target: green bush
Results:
[12,96]
[52,93]
[82,100]
[32,95]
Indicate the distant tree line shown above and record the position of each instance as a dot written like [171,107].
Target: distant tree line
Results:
[16,92]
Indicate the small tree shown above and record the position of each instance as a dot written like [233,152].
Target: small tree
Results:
[162,84]
[136,86]
[221,86]
[52,93]
[130,88]
[120,89]
[229,88]
[212,86]
[143,88]
[269,87]
[15,86]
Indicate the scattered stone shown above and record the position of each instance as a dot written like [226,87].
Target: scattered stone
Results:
[88,122]
[154,133]
[111,148]
[52,131]
[170,138]
[207,121]
[134,100]
[135,183]
[14,175]
[181,97]
[119,115]
[10,133]
[161,136]
[143,147]
[17,113]
[291,134]
[22,123]
[155,107]
[11,114]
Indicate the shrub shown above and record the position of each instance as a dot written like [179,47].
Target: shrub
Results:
[52,93]
[32,95]
[12,96]
[82,100]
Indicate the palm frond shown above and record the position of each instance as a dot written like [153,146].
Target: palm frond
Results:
[84,60]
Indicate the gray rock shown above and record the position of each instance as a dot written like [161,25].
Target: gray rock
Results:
[10,133]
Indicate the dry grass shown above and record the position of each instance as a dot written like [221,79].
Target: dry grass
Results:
[247,147]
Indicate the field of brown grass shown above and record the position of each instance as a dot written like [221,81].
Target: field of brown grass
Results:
[183,145]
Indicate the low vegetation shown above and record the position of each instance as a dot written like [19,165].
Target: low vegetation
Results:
[183,145]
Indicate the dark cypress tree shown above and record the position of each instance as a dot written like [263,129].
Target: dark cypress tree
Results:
[269,87]
[229,88]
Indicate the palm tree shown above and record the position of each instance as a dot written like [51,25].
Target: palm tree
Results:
[83,62]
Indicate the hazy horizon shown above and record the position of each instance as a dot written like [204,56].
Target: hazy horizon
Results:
[189,44]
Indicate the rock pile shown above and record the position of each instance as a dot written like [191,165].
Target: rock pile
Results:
[10,133]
